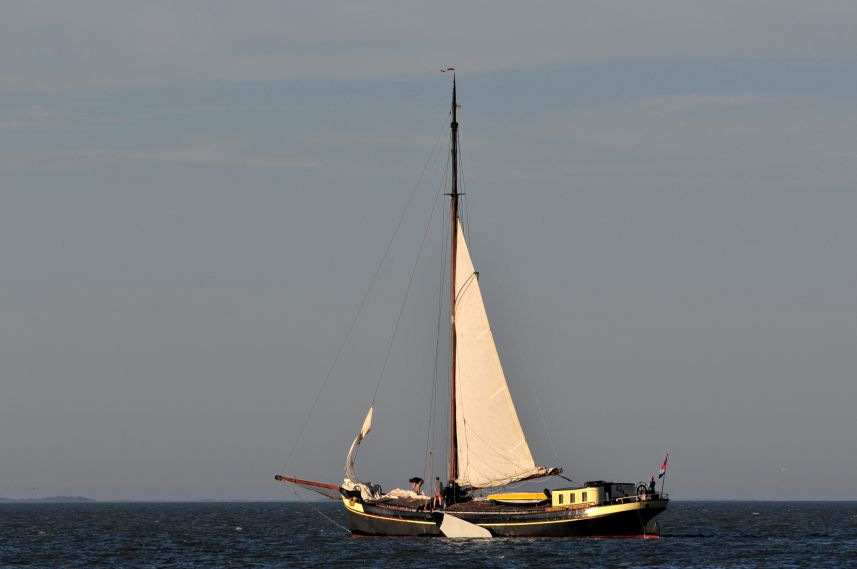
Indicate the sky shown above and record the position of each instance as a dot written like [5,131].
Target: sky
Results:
[195,197]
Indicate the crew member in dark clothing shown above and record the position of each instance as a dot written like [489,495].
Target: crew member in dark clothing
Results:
[416,484]
[651,483]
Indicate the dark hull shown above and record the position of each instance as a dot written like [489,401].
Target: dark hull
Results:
[629,520]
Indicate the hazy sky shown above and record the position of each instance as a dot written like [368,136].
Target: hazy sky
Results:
[195,195]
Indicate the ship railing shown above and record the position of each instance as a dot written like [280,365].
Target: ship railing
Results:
[640,498]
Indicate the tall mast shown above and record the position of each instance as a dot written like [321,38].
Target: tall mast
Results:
[453,240]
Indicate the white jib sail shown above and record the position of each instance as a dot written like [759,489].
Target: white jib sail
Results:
[352,452]
[492,449]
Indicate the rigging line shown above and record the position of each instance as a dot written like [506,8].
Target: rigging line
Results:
[465,202]
[465,286]
[428,466]
[640,517]
[461,433]
[528,380]
[494,450]
[429,450]
[362,304]
[512,484]
[444,246]
[320,492]
[442,288]
[405,299]
[320,513]
[545,423]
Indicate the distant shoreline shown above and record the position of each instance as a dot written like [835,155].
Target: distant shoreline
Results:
[49,500]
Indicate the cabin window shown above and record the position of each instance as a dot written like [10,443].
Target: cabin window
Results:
[571,499]
[583,497]
[560,498]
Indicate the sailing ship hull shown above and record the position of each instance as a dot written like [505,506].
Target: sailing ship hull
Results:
[613,520]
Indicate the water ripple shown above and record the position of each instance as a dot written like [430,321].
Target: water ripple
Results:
[695,534]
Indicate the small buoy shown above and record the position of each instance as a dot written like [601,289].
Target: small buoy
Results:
[238,528]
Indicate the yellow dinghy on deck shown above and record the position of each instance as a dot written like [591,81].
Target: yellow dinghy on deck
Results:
[519,498]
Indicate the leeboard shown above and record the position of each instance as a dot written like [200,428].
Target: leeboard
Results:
[454,527]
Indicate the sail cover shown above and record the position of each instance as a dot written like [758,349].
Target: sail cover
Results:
[492,449]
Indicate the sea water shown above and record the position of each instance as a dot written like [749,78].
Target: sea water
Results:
[286,534]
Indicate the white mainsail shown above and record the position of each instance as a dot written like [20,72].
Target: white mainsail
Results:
[492,449]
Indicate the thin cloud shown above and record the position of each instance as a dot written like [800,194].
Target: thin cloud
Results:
[210,154]
[37,117]
[754,134]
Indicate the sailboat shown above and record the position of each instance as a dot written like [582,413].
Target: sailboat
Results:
[487,446]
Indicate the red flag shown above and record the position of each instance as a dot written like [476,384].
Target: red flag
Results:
[663,469]
[447,69]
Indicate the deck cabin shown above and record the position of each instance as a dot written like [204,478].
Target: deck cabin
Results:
[591,494]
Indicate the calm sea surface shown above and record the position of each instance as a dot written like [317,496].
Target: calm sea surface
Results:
[695,534]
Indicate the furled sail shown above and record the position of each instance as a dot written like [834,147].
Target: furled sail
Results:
[492,449]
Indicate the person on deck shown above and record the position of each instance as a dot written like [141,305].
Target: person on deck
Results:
[651,484]
[438,493]
[416,484]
